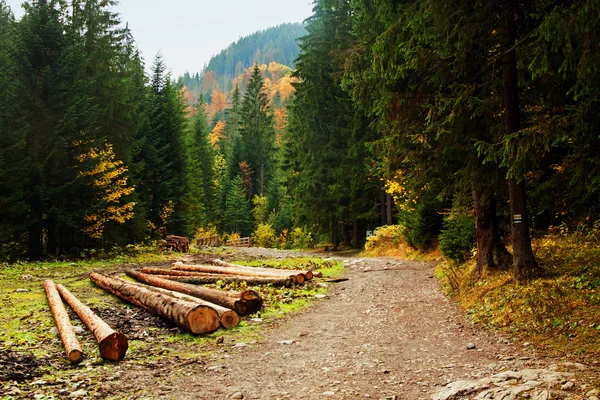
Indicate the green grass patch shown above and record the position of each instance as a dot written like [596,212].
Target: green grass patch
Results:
[27,321]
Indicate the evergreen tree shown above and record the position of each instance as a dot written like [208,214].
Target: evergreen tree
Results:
[237,212]
[257,134]
[13,163]
[164,155]
[325,141]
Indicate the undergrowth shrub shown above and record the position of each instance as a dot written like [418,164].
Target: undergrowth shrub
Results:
[457,238]
[388,236]
[264,236]
[421,225]
[301,238]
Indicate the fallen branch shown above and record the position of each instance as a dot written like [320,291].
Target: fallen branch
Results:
[112,344]
[63,324]
[190,316]
[244,303]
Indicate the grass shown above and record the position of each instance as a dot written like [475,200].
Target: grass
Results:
[559,312]
[27,321]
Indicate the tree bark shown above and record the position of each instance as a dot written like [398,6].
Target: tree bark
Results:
[355,240]
[244,303]
[190,316]
[335,240]
[227,317]
[203,278]
[524,263]
[63,324]
[237,271]
[382,207]
[491,253]
[113,345]
[388,204]
[307,274]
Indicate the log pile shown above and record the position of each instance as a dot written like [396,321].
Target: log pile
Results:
[189,315]
[179,243]
[170,294]
[244,303]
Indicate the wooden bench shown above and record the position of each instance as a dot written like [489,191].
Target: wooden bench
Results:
[329,247]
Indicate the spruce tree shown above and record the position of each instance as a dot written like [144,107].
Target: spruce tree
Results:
[257,133]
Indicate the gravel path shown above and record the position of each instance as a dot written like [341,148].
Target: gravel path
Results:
[386,333]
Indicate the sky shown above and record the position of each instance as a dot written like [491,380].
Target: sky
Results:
[190,32]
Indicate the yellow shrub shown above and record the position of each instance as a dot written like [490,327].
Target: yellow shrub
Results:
[264,236]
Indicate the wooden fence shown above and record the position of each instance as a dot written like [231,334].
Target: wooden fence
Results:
[241,242]
[211,241]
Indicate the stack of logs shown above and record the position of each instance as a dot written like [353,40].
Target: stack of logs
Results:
[170,294]
[179,243]
[226,272]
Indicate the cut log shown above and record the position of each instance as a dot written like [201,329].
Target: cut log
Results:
[202,279]
[307,274]
[190,316]
[112,344]
[205,277]
[63,324]
[227,317]
[179,243]
[239,271]
[243,303]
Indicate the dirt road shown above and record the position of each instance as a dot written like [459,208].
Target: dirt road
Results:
[386,333]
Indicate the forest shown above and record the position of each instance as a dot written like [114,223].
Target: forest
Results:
[468,124]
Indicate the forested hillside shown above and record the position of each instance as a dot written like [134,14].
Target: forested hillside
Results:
[277,44]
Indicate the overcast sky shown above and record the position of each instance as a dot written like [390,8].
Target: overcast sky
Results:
[190,32]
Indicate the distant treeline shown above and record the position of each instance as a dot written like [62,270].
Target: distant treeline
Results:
[278,44]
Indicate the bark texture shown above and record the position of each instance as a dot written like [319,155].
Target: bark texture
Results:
[215,269]
[524,263]
[112,344]
[202,278]
[306,274]
[188,315]
[491,252]
[63,324]
[243,303]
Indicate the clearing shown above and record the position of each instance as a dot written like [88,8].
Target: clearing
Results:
[386,333]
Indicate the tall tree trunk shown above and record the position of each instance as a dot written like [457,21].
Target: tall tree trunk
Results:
[491,253]
[35,246]
[382,207]
[52,226]
[388,202]
[355,233]
[334,232]
[524,263]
